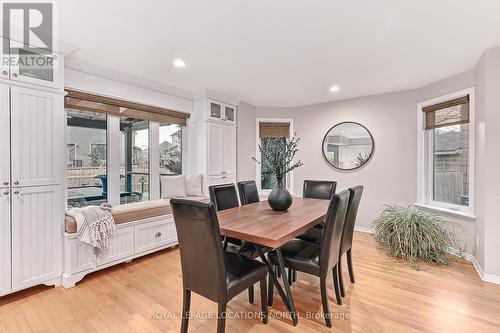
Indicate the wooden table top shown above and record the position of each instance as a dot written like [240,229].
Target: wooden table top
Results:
[259,224]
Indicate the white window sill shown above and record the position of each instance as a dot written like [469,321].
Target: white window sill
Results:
[448,212]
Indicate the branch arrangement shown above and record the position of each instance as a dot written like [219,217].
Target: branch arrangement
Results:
[279,160]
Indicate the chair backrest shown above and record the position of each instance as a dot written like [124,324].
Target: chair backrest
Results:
[248,192]
[223,196]
[200,246]
[332,232]
[319,189]
[350,219]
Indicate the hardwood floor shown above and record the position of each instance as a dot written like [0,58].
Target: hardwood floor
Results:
[143,296]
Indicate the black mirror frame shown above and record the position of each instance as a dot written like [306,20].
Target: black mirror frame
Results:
[347,122]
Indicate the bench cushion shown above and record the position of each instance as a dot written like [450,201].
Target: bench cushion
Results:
[134,211]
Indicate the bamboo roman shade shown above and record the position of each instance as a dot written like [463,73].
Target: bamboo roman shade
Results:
[117,107]
[452,112]
[274,130]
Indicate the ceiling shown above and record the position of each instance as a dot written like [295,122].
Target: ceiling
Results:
[283,52]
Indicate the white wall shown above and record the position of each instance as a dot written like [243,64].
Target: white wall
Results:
[245,166]
[390,176]
[106,87]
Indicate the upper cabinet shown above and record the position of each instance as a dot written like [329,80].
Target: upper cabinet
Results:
[30,66]
[221,112]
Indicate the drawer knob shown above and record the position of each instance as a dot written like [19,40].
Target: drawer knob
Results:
[158,234]
[6,183]
[14,74]
[4,73]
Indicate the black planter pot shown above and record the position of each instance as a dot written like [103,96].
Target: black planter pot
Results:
[280,199]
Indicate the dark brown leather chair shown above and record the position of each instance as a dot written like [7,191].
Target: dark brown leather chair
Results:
[347,234]
[206,268]
[319,189]
[314,235]
[223,197]
[248,192]
[319,259]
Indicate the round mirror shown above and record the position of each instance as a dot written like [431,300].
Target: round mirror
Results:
[348,146]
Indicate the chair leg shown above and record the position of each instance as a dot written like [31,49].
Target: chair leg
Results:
[290,277]
[251,295]
[324,300]
[186,303]
[221,318]
[349,265]
[263,299]
[341,280]
[294,275]
[270,291]
[226,241]
[336,288]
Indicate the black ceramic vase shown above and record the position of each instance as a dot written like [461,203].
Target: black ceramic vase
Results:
[280,199]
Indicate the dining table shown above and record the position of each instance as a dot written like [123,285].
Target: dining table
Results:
[257,223]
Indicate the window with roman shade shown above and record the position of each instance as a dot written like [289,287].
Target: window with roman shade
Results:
[447,152]
[449,113]
[116,107]
[274,130]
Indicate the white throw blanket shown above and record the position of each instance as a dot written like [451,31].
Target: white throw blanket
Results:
[94,226]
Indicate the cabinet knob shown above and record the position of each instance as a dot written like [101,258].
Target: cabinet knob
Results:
[16,192]
[14,74]
[5,73]
[158,234]
[6,193]
[16,182]
[6,183]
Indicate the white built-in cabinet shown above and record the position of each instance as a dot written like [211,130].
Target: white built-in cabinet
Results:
[5,258]
[32,145]
[212,136]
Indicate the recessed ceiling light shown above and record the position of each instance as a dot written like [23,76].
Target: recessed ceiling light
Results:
[179,63]
[334,89]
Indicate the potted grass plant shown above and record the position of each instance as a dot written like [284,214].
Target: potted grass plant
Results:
[414,235]
[279,154]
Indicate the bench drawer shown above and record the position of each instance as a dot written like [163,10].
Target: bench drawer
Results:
[152,235]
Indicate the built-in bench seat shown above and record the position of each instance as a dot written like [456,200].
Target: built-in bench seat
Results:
[134,211]
[141,228]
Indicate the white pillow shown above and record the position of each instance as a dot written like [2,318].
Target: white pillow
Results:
[193,184]
[173,186]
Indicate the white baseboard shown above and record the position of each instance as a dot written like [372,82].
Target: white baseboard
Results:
[469,257]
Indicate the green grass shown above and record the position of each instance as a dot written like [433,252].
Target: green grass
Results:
[414,235]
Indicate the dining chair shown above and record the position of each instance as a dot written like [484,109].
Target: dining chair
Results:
[248,192]
[319,189]
[223,197]
[318,259]
[207,269]
[314,235]
[314,189]
[347,234]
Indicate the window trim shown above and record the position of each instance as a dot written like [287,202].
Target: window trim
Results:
[257,152]
[424,151]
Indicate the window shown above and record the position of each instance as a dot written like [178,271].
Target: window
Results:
[271,132]
[87,167]
[447,152]
[170,149]
[115,147]
[134,160]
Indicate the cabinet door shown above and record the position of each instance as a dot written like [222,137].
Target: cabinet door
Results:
[4,135]
[4,68]
[37,132]
[229,143]
[216,111]
[5,266]
[215,149]
[229,113]
[37,68]
[37,219]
